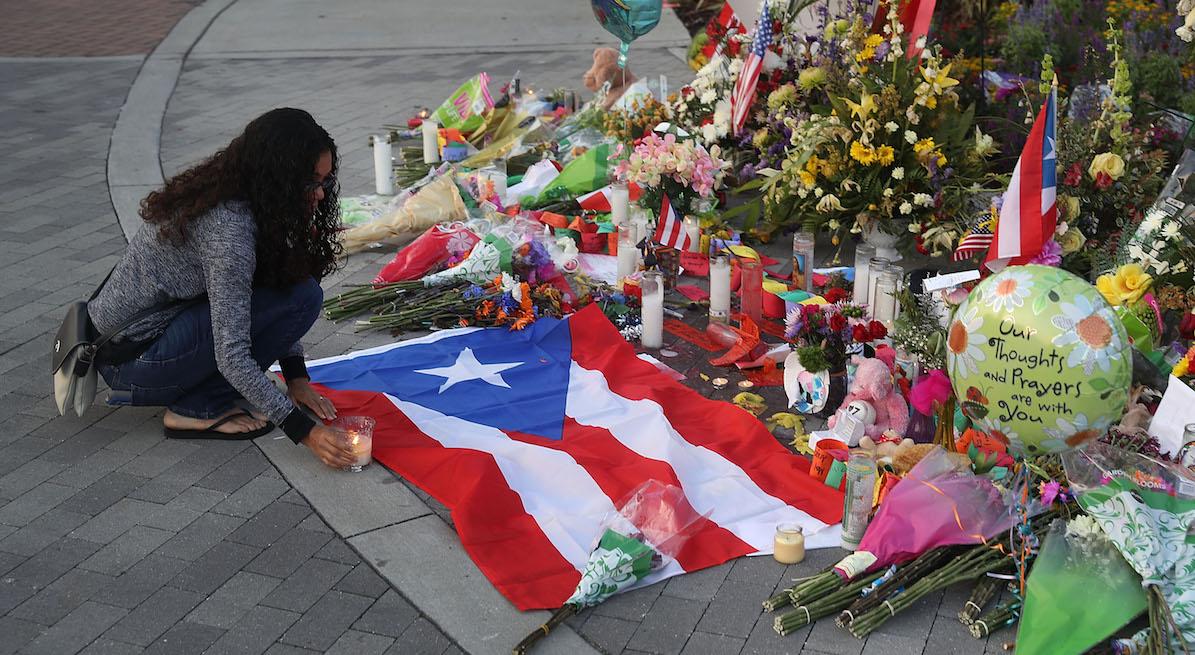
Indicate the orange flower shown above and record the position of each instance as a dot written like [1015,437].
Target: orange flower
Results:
[522,322]
[525,293]
[486,308]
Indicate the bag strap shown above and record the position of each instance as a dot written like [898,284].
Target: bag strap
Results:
[100,288]
[105,338]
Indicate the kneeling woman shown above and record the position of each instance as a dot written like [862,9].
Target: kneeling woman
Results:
[232,251]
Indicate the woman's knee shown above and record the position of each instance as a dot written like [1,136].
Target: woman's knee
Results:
[308,300]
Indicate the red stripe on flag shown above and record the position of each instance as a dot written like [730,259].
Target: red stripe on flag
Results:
[721,427]
[1031,217]
[488,515]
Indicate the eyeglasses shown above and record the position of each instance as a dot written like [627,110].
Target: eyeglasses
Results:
[327,185]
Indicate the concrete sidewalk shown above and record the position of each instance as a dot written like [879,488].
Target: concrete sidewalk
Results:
[115,540]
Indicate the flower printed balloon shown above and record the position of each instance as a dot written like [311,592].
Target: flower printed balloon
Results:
[1041,358]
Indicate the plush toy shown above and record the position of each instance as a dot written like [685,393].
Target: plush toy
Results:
[907,458]
[873,386]
[605,69]
[885,448]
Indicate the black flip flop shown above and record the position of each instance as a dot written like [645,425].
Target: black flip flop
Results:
[212,433]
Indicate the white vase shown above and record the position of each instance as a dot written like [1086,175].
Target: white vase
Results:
[884,243]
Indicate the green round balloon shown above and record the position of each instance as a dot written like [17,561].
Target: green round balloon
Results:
[1038,359]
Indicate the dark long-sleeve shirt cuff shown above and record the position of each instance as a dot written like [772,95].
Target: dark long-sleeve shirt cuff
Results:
[293,367]
[297,425]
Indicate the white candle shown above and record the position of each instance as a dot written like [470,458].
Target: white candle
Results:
[620,203]
[641,226]
[789,544]
[431,141]
[720,289]
[863,254]
[628,254]
[693,232]
[362,446]
[885,297]
[875,266]
[383,166]
[652,335]
[663,87]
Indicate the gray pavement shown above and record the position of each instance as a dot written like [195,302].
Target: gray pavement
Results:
[113,539]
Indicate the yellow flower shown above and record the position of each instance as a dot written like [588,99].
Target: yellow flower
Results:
[941,158]
[1124,287]
[864,107]
[865,155]
[885,155]
[1069,206]
[829,203]
[811,78]
[1072,240]
[938,80]
[1181,368]
[808,179]
[924,145]
[1108,162]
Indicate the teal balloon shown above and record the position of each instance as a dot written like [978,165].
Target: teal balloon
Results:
[626,19]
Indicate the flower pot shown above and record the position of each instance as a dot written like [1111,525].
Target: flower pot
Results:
[884,243]
[815,394]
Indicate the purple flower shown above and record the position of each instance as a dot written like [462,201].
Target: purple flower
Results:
[1050,255]
[1049,491]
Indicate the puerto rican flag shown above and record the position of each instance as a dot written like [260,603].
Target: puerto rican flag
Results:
[1029,215]
[670,231]
[599,201]
[530,438]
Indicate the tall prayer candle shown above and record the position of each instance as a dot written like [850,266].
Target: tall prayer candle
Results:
[803,244]
[752,288]
[628,254]
[875,266]
[620,203]
[383,165]
[431,141]
[863,254]
[720,289]
[884,310]
[693,232]
[652,335]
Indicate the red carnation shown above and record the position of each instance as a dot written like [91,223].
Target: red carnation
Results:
[877,329]
[838,322]
[835,295]
[1103,180]
[1186,326]
[1074,175]
[859,333]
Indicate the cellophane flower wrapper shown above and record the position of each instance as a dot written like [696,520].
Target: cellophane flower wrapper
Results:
[1147,509]
[642,535]
[437,202]
[438,244]
[1079,592]
[934,505]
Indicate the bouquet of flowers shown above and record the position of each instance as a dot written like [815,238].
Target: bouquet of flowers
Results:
[681,169]
[890,150]
[821,334]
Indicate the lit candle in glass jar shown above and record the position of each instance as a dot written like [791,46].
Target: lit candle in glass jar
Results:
[357,433]
[789,544]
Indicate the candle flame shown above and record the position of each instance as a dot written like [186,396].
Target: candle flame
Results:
[422,113]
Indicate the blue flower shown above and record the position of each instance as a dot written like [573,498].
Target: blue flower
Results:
[474,292]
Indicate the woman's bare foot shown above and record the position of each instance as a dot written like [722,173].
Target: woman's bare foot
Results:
[237,425]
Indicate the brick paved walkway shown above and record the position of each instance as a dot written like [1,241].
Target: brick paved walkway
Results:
[86,28]
[112,539]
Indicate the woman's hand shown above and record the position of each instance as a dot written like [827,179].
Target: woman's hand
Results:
[328,447]
[303,394]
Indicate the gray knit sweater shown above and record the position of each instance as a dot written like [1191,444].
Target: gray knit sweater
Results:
[218,258]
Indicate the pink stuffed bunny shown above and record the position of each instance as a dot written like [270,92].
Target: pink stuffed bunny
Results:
[873,385]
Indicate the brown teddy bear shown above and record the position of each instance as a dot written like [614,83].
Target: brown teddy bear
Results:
[605,69]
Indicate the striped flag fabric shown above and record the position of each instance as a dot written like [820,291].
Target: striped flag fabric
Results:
[670,231]
[1028,214]
[599,201]
[531,436]
[915,16]
[978,239]
[744,88]
[730,24]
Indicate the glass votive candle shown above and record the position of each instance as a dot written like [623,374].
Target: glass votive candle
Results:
[789,544]
[357,433]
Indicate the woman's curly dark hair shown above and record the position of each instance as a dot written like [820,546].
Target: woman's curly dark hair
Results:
[271,167]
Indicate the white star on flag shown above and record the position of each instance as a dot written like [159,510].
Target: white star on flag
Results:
[467,368]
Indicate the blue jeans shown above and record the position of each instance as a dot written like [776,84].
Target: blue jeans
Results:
[179,372]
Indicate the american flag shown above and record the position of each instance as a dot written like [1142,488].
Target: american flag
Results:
[744,88]
[976,240]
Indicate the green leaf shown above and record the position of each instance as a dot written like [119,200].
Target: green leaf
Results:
[1099,384]
[1039,304]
